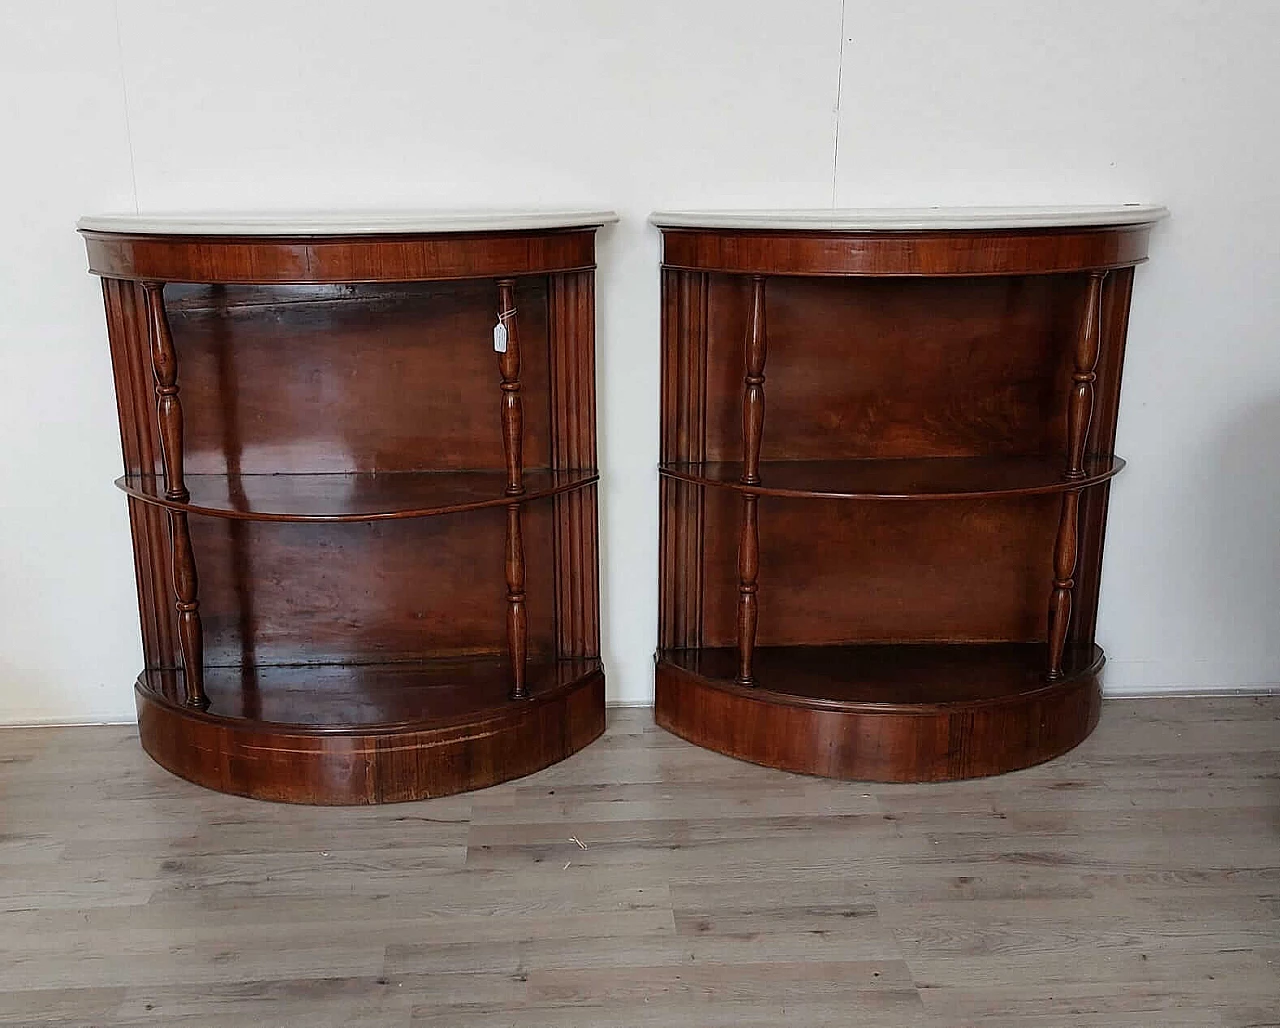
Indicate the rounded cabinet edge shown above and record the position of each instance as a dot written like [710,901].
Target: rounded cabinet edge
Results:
[914,253]
[315,260]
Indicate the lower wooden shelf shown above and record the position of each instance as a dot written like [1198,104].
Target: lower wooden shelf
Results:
[883,712]
[369,733]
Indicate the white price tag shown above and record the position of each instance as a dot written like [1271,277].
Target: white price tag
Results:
[499,337]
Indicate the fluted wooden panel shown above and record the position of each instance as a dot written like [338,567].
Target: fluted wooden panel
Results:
[139,438]
[571,323]
[684,432]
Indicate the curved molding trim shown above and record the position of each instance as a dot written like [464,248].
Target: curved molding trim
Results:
[936,478]
[341,223]
[351,497]
[879,742]
[365,764]
[917,219]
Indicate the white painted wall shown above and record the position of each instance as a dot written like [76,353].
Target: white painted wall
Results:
[146,104]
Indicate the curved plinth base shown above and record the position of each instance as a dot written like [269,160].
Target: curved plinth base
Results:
[883,713]
[466,735]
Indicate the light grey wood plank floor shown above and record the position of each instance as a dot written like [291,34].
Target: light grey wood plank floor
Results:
[1134,882]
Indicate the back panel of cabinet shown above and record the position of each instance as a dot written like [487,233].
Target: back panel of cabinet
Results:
[896,367]
[373,377]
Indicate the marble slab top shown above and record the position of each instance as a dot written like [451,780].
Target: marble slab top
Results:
[342,223]
[916,219]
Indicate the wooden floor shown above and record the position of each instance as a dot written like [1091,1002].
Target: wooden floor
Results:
[1133,882]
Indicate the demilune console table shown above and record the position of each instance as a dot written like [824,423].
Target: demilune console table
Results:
[887,446]
[365,542]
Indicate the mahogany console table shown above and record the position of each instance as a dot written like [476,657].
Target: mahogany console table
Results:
[887,445]
[394,527]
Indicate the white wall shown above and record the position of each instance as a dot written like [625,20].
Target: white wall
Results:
[152,105]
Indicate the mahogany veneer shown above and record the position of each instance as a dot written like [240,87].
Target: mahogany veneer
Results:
[886,461]
[365,543]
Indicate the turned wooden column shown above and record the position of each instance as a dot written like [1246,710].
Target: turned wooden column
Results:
[517,617]
[748,574]
[1080,406]
[164,367]
[512,405]
[508,343]
[752,431]
[753,385]
[1079,416]
[186,590]
[1064,568]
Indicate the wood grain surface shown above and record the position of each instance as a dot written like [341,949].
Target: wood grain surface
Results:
[881,713]
[369,733]
[924,478]
[1131,884]
[299,411]
[352,497]
[817,373]
[1000,252]
[300,259]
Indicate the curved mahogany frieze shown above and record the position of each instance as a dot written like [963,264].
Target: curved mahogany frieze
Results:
[1020,252]
[307,260]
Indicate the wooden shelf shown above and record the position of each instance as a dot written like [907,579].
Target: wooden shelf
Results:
[346,698]
[351,497]
[902,677]
[369,733]
[926,478]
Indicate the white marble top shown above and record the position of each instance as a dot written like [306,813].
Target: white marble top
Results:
[341,222]
[915,219]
